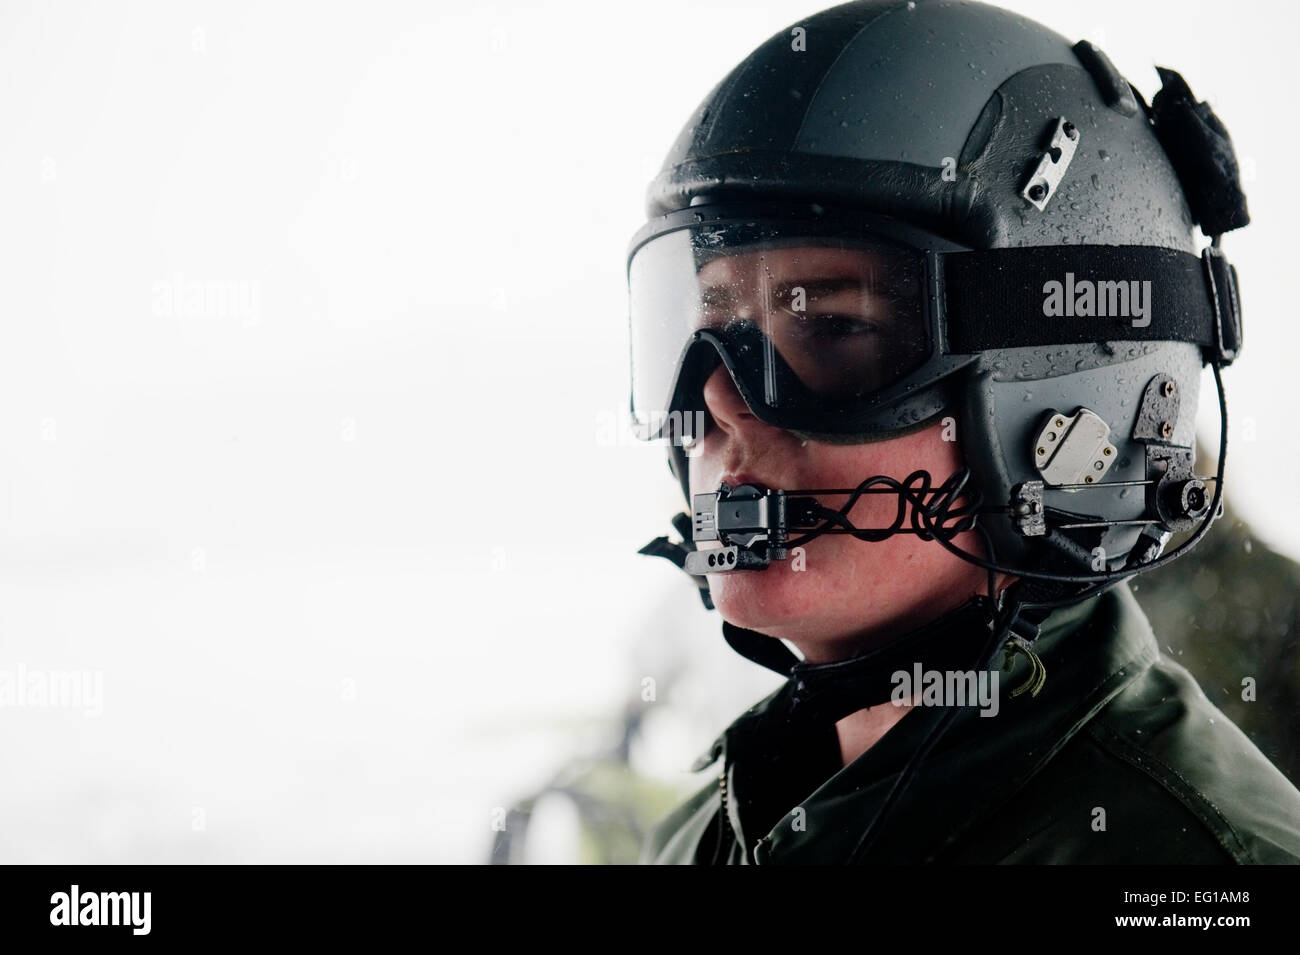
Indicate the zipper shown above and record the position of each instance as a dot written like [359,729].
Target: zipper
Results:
[726,835]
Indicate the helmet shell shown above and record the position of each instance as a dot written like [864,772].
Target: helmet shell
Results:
[937,112]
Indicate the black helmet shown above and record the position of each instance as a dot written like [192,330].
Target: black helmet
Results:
[1022,223]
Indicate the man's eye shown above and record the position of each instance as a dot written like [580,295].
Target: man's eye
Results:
[838,326]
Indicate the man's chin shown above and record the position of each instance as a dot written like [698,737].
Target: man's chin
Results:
[761,600]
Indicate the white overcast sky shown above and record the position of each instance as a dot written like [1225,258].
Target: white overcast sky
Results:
[346,545]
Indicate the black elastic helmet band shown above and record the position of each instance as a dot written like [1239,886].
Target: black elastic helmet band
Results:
[1189,298]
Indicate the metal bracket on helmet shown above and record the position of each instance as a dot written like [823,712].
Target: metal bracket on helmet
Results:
[1158,415]
[1053,164]
[1073,449]
[1027,509]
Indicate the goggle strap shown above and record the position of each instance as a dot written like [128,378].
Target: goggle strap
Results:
[1064,295]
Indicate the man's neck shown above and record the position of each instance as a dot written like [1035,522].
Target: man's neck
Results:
[860,731]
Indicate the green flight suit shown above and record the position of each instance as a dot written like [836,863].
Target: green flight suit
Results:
[1120,758]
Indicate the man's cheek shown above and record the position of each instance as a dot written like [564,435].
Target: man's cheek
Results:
[873,511]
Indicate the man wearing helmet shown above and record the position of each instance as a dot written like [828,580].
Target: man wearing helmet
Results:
[927,471]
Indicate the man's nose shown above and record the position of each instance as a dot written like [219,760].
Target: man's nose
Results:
[725,405]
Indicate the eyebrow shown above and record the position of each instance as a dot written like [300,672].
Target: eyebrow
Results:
[817,287]
[813,288]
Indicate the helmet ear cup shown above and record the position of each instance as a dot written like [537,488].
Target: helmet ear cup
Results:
[1001,413]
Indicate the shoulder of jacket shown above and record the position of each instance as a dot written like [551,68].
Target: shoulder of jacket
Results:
[1163,727]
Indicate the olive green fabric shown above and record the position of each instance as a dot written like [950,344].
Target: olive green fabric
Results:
[1119,759]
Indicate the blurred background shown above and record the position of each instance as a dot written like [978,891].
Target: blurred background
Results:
[318,506]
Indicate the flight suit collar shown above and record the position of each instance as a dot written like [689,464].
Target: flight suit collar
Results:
[828,692]
[1091,650]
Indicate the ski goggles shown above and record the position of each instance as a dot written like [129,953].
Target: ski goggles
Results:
[848,326]
[819,321]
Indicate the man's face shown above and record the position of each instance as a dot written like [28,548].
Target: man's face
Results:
[844,319]
[848,589]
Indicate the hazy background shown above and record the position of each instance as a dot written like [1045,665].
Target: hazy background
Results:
[312,383]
